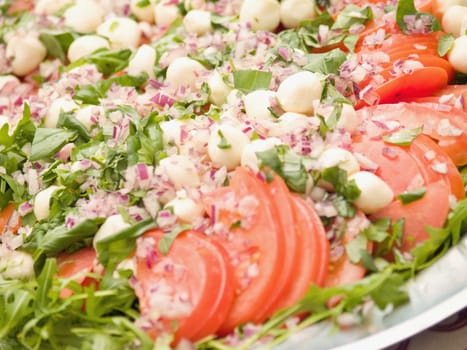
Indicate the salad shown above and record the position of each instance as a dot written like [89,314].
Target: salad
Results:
[221,174]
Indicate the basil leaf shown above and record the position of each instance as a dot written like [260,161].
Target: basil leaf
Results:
[57,44]
[412,196]
[143,3]
[355,247]
[23,133]
[366,259]
[326,63]
[113,249]
[403,137]
[69,121]
[168,238]
[48,141]
[352,15]
[106,61]
[251,80]
[407,8]
[445,43]
[223,144]
[338,178]
[378,231]
[343,207]
[61,238]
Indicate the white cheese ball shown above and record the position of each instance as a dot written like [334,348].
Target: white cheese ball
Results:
[184,71]
[26,54]
[219,90]
[89,115]
[375,193]
[171,131]
[165,14]
[336,156]
[452,19]
[257,104]
[57,106]
[457,56]
[42,199]
[143,61]
[186,209]
[123,32]
[441,6]
[261,14]
[249,158]
[112,225]
[86,45]
[295,11]
[143,13]
[84,16]
[298,92]
[50,7]
[197,22]
[7,79]
[290,122]
[348,119]
[181,171]
[16,265]
[225,146]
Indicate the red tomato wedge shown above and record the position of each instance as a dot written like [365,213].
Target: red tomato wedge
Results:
[341,269]
[248,227]
[192,285]
[313,252]
[76,265]
[5,220]
[448,128]
[280,198]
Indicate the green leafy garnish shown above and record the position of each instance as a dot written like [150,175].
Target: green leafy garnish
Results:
[48,141]
[445,43]
[411,196]
[223,143]
[251,80]
[403,137]
[168,238]
[406,8]
[326,63]
[57,44]
[106,61]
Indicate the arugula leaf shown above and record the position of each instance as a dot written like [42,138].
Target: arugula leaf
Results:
[251,80]
[57,44]
[445,43]
[355,247]
[326,63]
[403,137]
[48,141]
[23,133]
[68,120]
[378,230]
[107,61]
[16,305]
[412,196]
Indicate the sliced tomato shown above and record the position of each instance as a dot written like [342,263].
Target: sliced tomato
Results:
[192,286]
[341,269]
[248,226]
[76,265]
[6,216]
[313,252]
[428,116]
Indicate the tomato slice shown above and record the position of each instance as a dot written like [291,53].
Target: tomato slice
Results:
[312,254]
[5,220]
[341,269]
[247,225]
[186,286]
[76,265]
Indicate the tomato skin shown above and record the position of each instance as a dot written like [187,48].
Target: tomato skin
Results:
[194,281]
[5,216]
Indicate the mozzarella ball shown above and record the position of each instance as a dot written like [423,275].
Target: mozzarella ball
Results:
[257,104]
[441,6]
[458,54]
[348,120]
[290,122]
[143,61]
[180,170]
[249,157]
[184,71]
[186,209]
[197,22]
[84,17]
[375,193]
[16,265]
[86,45]
[225,146]
[165,14]
[123,32]
[340,157]
[219,90]
[261,14]
[50,7]
[298,92]
[8,79]
[143,13]
[171,131]
[42,199]
[26,54]
[452,19]
[56,107]
[295,11]
[112,225]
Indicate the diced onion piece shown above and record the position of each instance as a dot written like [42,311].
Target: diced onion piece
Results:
[375,193]
[8,79]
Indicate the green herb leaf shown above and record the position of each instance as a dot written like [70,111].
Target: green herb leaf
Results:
[48,141]
[412,196]
[326,63]
[355,247]
[57,44]
[68,121]
[338,178]
[352,15]
[168,238]
[223,144]
[251,80]
[445,43]
[403,137]
[407,8]
[106,61]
